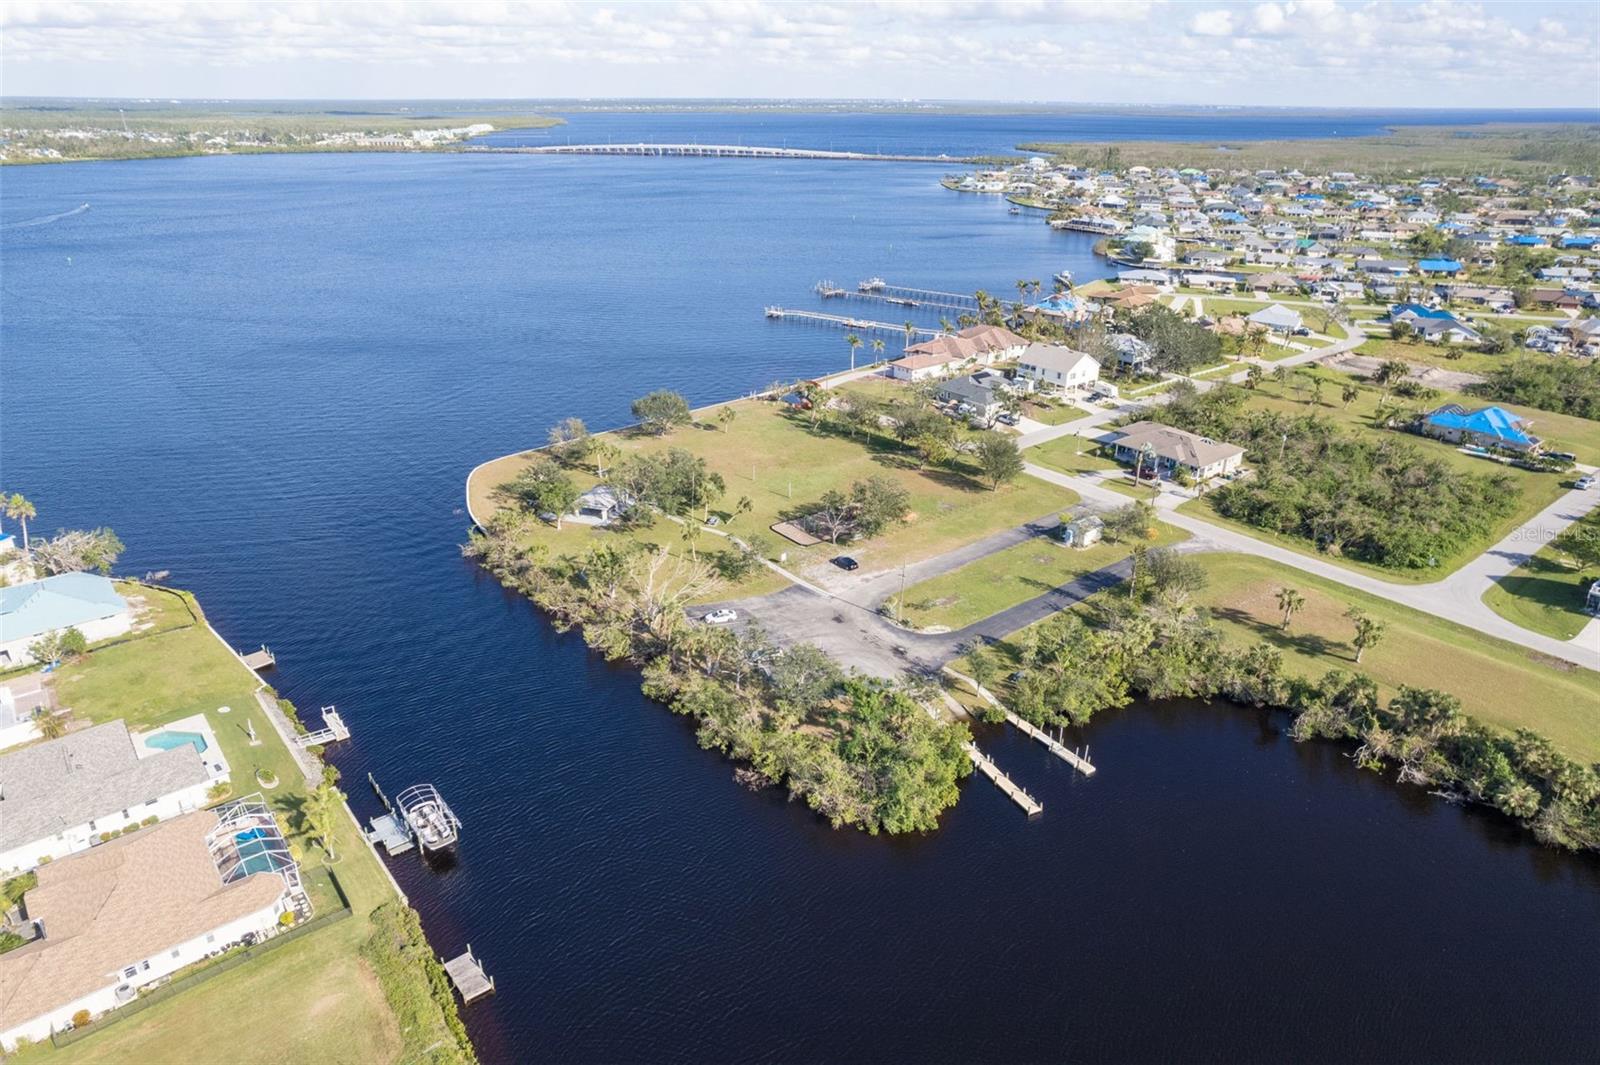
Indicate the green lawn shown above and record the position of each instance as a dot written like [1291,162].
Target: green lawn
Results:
[1053,413]
[1460,357]
[324,1001]
[782,465]
[1015,575]
[1543,595]
[1497,682]
[1074,454]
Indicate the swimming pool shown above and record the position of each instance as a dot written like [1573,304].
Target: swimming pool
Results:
[167,741]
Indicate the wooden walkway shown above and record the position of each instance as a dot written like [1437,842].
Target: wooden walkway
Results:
[262,659]
[863,324]
[1030,806]
[466,972]
[333,730]
[964,301]
[1066,754]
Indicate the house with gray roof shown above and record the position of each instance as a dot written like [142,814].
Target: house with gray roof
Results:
[1156,449]
[67,795]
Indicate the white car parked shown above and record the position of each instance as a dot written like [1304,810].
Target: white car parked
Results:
[721,617]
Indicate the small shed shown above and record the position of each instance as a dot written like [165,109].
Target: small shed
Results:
[1081,532]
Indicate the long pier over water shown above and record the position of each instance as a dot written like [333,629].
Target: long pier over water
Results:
[720,151]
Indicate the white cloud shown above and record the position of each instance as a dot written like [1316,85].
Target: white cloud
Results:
[1326,52]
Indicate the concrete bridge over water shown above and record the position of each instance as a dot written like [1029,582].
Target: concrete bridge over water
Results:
[722,151]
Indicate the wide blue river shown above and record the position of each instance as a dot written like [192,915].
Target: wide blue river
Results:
[271,376]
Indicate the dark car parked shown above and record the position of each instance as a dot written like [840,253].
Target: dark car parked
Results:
[845,562]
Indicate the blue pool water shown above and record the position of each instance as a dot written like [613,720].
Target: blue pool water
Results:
[169,741]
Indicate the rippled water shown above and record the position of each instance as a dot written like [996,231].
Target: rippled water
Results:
[271,376]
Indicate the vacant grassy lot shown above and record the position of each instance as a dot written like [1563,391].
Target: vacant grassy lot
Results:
[783,465]
[1535,490]
[1460,357]
[1074,454]
[323,999]
[1053,413]
[1498,683]
[1015,575]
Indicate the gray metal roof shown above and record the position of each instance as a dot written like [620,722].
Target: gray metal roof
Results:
[59,784]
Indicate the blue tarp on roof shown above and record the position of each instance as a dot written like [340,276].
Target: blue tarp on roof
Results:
[1419,310]
[1439,266]
[1493,422]
[1527,240]
[1579,242]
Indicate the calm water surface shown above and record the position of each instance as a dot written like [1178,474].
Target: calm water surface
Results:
[271,376]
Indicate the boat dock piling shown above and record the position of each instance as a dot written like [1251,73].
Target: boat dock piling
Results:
[956,300]
[1072,758]
[466,972]
[1030,806]
[261,659]
[389,829]
[861,324]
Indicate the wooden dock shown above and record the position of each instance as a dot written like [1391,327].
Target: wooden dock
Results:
[830,291]
[333,730]
[261,659]
[962,301]
[864,325]
[1030,806]
[721,151]
[466,972]
[1066,754]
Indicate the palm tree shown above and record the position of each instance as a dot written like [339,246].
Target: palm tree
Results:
[1289,601]
[51,726]
[1022,292]
[1368,630]
[322,816]
[877,347]
[725,417]
[854,342]
[911,333]
[691,538]
[19,509]
[604,453]
[1349,393]
[944,324]
[1252,377]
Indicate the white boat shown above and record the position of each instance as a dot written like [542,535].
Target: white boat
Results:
[433,823]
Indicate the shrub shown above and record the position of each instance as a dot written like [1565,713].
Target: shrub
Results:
[81,1019]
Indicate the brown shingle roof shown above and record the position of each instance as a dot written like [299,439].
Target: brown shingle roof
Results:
[118,904]
[1174,444]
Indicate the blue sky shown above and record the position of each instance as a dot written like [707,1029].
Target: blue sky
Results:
[1436,53]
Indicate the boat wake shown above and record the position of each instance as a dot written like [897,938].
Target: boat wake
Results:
[45,219]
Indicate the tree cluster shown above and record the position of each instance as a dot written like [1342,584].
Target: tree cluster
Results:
[1378,499]
[867,508]
[1565,386]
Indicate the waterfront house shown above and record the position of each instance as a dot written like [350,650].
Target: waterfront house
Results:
[1492,427]
[103,926]
[64,795]
[922,367]
[87,602]
[1133,355]
[1163,449]
[1057,366]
